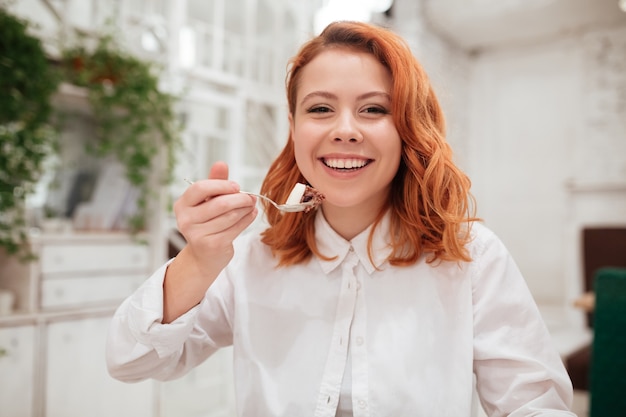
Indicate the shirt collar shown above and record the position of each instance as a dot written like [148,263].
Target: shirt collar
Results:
[331,244]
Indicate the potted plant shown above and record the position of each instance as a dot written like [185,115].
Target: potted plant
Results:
[136,120]
[27,138]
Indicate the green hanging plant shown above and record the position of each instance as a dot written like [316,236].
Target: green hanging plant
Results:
[135,119]
[27,138]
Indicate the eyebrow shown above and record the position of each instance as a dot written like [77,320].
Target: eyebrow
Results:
[326,94]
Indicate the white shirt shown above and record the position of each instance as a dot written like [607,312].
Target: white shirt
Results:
[416,334]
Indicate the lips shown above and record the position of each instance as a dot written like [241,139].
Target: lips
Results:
[345,163]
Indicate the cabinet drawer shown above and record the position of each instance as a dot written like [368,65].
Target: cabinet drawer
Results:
[78,291]
[93,257]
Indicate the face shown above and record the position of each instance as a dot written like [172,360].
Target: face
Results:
[346,144]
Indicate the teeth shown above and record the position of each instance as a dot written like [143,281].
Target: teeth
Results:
[345,163]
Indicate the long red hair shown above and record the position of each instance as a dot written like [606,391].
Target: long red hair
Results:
[430,203]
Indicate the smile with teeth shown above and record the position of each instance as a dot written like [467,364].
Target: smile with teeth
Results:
[349,163]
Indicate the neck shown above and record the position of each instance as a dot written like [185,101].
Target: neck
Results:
[348,222]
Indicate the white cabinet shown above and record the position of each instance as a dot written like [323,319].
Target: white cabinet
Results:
[55,337]
[17,371]
[77,270]
[54,365]
[77,382]
[77,274]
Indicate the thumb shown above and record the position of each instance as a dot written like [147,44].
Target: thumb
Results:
[219,171]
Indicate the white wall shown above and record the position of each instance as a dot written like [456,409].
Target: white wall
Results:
[540,127]
[544,116]
[525,110]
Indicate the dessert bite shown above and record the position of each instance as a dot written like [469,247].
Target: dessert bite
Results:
[302,193]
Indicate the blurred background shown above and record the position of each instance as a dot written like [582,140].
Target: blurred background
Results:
[535,97]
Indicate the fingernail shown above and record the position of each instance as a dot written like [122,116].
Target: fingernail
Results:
[235,186]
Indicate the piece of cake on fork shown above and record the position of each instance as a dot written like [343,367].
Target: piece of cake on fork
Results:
[302,193]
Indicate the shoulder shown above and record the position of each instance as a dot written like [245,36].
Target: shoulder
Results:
[491,260]
[480,236]
[484,243]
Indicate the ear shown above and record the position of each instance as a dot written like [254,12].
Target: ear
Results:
[291,125]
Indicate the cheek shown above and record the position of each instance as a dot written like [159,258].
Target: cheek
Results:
[395,153]
[301,149]
[304,141]
[398,150]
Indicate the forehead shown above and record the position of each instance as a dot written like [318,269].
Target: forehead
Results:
[338,68]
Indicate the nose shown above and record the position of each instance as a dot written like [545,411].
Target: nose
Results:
[347,129]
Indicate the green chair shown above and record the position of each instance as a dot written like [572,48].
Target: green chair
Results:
[608,356]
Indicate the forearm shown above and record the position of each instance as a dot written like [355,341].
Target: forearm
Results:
[138,344]
[184,286]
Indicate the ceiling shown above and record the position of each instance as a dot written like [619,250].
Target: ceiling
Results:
[476,24]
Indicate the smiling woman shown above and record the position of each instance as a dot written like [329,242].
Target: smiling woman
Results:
[390,299]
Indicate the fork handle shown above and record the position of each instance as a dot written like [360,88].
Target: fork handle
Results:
[269,200]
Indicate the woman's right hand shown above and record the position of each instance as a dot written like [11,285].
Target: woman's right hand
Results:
[210,214]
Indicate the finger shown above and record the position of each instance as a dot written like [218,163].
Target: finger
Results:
[235,229]
[209,209]
[224,222]
[204,190]
[213,237]
[226,227]
[219,171]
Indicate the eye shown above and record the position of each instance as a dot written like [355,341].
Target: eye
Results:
[376,109]
[319,109]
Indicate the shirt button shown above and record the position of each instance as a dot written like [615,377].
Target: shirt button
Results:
[359,341]
[351,249]
[358,285]
[362,403]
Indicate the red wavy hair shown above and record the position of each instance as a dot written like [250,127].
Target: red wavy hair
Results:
[429,203]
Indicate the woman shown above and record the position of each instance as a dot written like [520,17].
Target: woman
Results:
[386,301]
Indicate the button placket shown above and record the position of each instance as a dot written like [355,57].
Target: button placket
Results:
[360,379]
[335,364]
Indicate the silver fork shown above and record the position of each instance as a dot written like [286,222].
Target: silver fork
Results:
[287,208]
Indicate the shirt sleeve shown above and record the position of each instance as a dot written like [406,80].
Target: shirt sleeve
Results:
[518,370]
[140,346]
